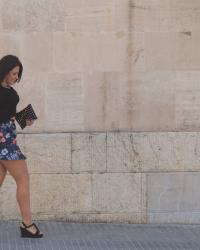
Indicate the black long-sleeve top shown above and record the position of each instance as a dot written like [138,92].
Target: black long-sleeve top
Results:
[8,103]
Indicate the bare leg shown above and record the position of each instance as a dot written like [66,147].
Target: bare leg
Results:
[19,171]
[3,172]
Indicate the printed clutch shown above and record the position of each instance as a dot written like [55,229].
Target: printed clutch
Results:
[25,114]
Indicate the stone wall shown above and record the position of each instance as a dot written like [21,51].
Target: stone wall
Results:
[115,84]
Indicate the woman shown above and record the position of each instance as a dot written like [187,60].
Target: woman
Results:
[11,157]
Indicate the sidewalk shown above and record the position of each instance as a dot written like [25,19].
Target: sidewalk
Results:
[101,236]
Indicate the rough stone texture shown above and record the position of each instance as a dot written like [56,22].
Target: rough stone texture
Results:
[9,207]
[64,102]
[49,153]
[146,152]
[107,188]
[173,197]
[88,152]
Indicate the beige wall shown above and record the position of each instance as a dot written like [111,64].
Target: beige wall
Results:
[104,66]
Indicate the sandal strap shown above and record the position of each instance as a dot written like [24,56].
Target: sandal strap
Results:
[33,224]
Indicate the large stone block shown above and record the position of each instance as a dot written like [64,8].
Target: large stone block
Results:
[104,52]
[161,50]
[90,17]
[118,193]
[89,152]
[45,15]
[173,197]
[102,111]
[33,44]
[59,194]
[15,11]
[154,101]
[49,153]
[188,55]
[90,52]
[8,206]
[33,15]
[143,152]
[9,44]
[187,106]
[64,102]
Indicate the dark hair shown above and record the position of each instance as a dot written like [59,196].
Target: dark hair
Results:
[7,63]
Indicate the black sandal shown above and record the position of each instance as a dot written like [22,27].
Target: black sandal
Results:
[27,234]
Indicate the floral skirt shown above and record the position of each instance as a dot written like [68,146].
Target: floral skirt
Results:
[9,150]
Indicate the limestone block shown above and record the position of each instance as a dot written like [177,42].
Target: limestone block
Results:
[89,152]
[172,197]
[44,15]
[37,52]
[141,152]
[102,111]
[186,18]
[9,206]
[161,50]
[117,193]
[64,102]
[154,101]
[123,16]
[136,52]
[9,44]
[90,17]
[33,15]
[188,56]
[187,101]
[12,15]
[48,153]
[59,194]
[31,89]
[90,52]
[142,15]
[71,45]
[104,52]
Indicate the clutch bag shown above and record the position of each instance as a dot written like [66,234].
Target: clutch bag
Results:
[27,113]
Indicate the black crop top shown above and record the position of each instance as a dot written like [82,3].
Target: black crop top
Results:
[8,102]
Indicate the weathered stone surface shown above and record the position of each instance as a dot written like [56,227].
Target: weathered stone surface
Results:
[8,206]
[172,196]
[33,16]
[9,44]
[64,193]
[188,57]
[15,11]
[154,101]
[107,188]
[89,152]
[161,50]
[143,152]
[50,153]
[187,101]
[33,43]
[64,102]
[102,111]
[90,16]
[90,52]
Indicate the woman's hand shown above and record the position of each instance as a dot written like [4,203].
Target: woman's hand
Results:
[29,122]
